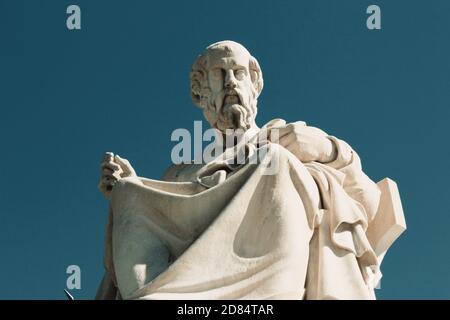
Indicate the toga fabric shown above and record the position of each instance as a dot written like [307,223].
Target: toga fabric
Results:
[271,228]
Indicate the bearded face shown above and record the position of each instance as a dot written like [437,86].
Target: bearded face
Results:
[232,101]
[229,103]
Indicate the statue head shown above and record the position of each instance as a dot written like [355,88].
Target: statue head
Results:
[225,83]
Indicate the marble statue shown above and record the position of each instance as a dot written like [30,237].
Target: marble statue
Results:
[315,228]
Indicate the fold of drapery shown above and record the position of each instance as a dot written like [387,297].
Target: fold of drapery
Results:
[342,263]
[248,237]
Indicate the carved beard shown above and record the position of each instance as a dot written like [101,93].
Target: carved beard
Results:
[231,109]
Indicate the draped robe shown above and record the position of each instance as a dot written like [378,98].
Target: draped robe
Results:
[225,231]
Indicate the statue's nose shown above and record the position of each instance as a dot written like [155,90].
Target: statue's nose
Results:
[230,80]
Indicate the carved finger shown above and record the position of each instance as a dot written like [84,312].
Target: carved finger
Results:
[282,131]
[318,131]
[111,165]
[110,178]
[108,157]
[107,171]
[299,123]
[273,134]
[125,165]
[286,140]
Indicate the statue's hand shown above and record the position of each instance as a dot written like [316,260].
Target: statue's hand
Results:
[113,168]
[306,143]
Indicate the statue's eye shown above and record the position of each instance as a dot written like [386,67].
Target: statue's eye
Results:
[239,74]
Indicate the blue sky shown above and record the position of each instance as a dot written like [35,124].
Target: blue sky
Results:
[121,84]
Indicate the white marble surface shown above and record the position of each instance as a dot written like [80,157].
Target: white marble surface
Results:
[316,228]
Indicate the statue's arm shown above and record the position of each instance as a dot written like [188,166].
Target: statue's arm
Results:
[356,183]
[309,144]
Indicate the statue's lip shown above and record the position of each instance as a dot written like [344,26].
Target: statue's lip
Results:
[227,99]
[231,93]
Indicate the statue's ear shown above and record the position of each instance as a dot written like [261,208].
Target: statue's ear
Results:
[199,86]
[256,75]
[197,78]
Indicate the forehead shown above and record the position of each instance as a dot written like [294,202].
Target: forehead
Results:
[227,58]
